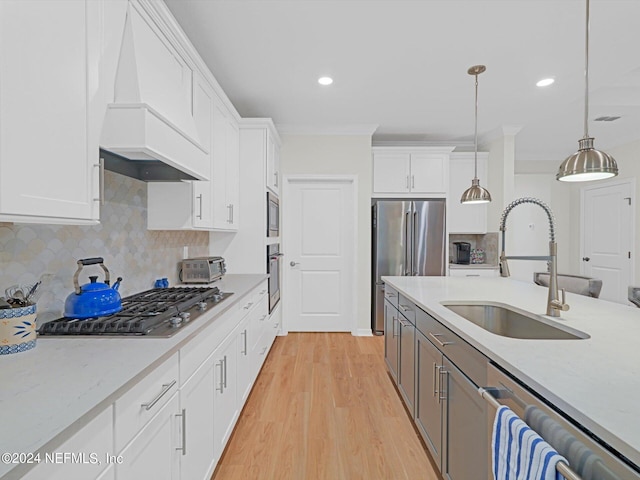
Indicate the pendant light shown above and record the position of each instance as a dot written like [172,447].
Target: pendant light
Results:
[475,193]
[587,163]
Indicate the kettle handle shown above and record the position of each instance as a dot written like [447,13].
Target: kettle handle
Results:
[89,261]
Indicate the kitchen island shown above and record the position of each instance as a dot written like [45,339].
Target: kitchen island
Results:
[595,380]
[51,392]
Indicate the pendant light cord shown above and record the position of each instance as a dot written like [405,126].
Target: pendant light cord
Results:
[475,156]
[586,76]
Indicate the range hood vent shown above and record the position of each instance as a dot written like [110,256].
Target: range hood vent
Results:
[150,123]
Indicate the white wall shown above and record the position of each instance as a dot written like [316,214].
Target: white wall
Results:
[528,226]
[334,155]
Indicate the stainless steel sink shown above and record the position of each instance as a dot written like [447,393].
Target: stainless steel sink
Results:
[512,322]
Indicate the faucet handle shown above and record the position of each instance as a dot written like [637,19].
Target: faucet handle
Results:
[563,306]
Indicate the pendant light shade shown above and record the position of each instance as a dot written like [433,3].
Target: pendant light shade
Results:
[475,193]
[587,163]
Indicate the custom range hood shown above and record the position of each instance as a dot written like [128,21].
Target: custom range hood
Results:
[149,131]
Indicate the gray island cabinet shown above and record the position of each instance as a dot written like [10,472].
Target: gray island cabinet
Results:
[437,374]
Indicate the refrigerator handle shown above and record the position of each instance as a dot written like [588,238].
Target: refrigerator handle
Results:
[407,247]
[414,245]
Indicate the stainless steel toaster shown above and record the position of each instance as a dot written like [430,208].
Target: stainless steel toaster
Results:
[202,269]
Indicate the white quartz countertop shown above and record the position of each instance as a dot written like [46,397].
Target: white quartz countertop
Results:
[596,381]
[53,390]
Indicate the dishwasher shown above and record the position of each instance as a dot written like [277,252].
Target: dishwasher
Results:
[597,461]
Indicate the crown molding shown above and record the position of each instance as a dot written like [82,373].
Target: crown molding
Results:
[349,129]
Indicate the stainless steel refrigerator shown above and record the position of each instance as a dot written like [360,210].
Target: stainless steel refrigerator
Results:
[408,240]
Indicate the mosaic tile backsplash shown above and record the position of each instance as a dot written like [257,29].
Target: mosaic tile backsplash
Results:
[122,239]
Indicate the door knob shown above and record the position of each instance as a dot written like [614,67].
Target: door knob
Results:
[293,264]
[585,259]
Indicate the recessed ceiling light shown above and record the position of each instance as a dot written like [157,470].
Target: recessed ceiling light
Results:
[325,80]
[545,82]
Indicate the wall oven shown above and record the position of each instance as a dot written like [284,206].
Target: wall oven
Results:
[274,263]
[273,215]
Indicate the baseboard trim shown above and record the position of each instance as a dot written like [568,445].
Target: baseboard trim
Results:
[362,332]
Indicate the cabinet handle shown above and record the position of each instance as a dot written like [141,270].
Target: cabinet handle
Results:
[405,323]
[165,388]
[199,197]
[413,181]
[438,341]
[183,448]
[263,351]
[225,371]
[395,320]
[390,295]
[435,376]
[232,213]
[276,179]
[276,325]
[220,387]
[444,373]
[248,306]
[405,308]
[244,342]
[263,317]
[407,182]
[100,167]
[472,275]
[229,213]
[262,292]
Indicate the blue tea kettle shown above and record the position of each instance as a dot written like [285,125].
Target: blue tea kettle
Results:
[94,299]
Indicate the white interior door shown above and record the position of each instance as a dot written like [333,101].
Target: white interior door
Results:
[608,225]
[319,220]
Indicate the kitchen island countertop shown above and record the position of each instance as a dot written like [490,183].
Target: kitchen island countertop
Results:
[50,392]
[596,381]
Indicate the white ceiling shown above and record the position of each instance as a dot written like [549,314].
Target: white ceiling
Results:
[402,65]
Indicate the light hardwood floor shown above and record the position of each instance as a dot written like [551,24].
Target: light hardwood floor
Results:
[323,407]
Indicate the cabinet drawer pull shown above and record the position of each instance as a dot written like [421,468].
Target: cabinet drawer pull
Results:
[405,323]
[263,351]
[183,448]
[390,295]
[165,388]
[472,275]
[262,292]
[225,371]
[435,338]
[263,317]
[248,306]
[395,320]
[405,308]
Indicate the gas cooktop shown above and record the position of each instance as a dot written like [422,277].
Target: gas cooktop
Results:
[159,312]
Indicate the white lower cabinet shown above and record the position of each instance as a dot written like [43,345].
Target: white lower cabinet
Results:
[197,406]
[473,272]
[245,379]
[155,450]
[225,403]
[175,422]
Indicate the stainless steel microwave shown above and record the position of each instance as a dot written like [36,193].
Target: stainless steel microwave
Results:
[273,215]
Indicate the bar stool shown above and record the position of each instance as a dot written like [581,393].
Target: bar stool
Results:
[587,286]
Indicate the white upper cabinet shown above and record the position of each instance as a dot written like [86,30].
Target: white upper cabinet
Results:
[273,164]
[466,218]
[226,169]
[49,86]
[410,171]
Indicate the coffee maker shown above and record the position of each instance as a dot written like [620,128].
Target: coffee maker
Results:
[462,253]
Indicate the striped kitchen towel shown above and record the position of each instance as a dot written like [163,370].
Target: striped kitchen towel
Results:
[519,453]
